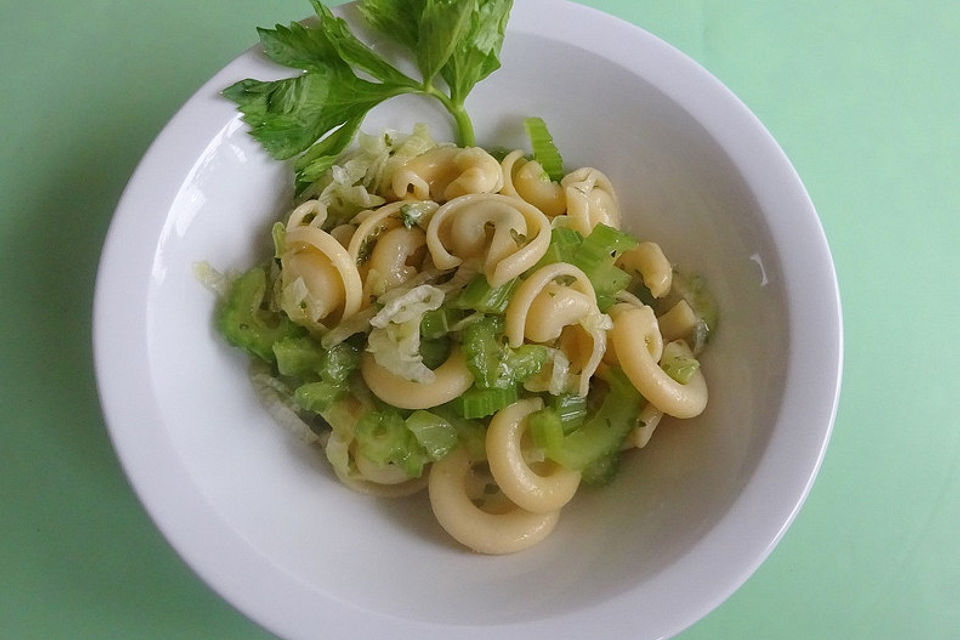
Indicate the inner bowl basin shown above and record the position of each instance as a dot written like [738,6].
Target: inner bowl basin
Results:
[260,516]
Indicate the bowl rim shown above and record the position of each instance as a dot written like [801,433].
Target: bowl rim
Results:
[815,344]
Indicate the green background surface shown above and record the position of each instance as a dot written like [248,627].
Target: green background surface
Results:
[863,97]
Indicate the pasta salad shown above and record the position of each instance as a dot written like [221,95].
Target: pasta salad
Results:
[473,323]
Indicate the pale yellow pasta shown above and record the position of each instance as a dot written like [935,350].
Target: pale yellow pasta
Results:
[343,233]
[320,281]
[528,181]
[639,436]
[444,173]
[494,533]
[391,254]
[311,212]
[633,327]
[451,379]
[372,223]
[540,308]
[459,230]
[678,322]
[528,489]
[648,260]
[555,307]
[590,200]
[518,310]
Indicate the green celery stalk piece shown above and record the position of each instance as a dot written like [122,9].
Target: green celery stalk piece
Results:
[435,434]
[480,296]
[471,434]
[571,409]
[298,356]
[601,471]
[677,364]
[318,396]
[604,431]
[546,429]
[243,321]
[383,438]
[544,150]
[478,402]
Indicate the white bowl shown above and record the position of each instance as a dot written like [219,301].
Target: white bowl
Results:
[261,518]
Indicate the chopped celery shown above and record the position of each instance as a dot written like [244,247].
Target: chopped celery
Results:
[601,471]
[302,357]
[571,409]
[693,289]
[595,256]
[605,241]
[279,234]
[544,150]
[602,434]
[437,323]
[244,323]
[340,361]
[298,356]
[437,436]
[480,296]
[484,352]
[526,360]
[607,280]
[435,352]
[383,438]
[677,363]
[478,402]
[563,246]
[546,429]
[318,396]
[470,433]
[494,364]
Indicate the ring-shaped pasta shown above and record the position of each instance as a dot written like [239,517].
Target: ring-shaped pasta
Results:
[444,173]
[499,533]
[648,260]
[555,307]
[343,233]
[390,258]
[591,200]
[528,181]
[633,327]
[310,213]
[326,270]
[518,310]
[452,378]
[529,490]
[372,223]
[678,322]
[459,230]
[639,436]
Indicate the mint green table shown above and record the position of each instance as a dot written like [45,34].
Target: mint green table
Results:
[864,96]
